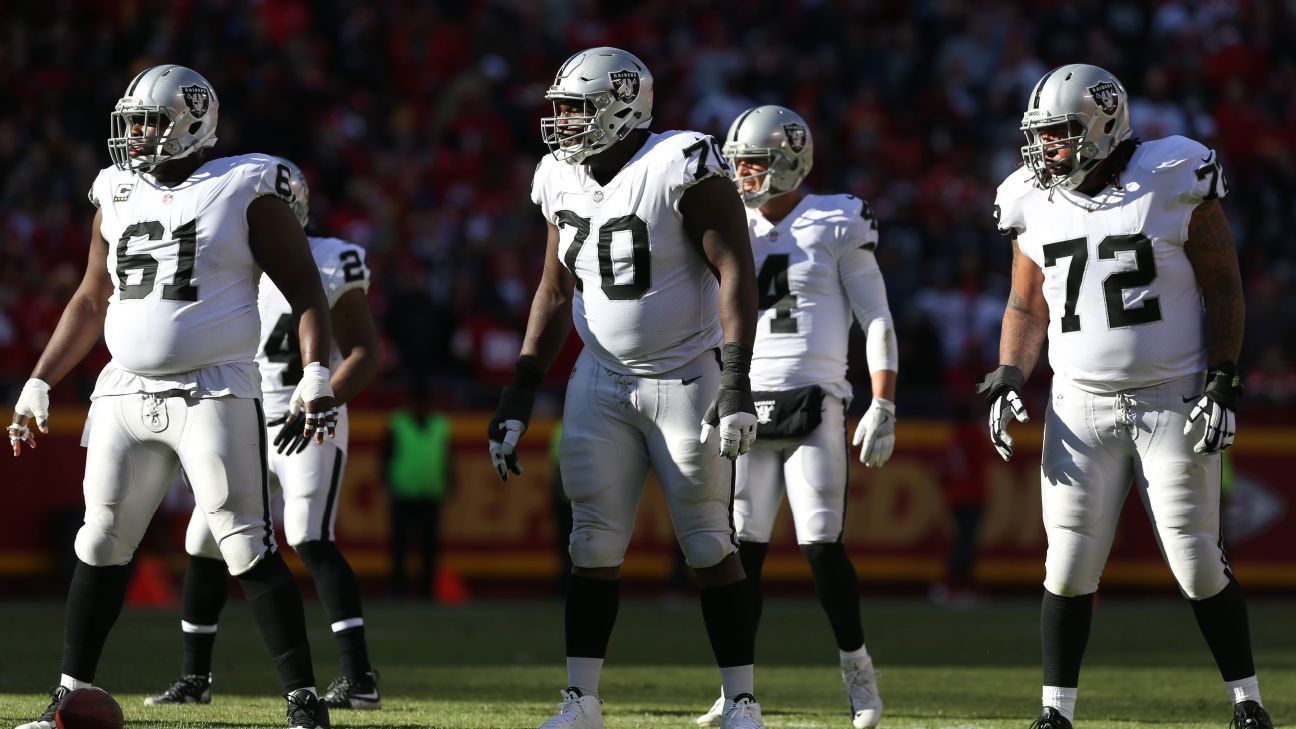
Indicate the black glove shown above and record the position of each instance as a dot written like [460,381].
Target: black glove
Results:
[733,411]
[1002,389]
[1217,408]
[513,416]
[291,438]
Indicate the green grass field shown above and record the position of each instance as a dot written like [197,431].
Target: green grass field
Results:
[499,665]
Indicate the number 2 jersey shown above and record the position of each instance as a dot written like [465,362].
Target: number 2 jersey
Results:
[182,315]
[813,267]
[342,268]
[1125,309]
[645,302]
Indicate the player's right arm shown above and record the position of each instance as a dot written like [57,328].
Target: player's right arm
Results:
[547,329]
[1025,325]
[78,329]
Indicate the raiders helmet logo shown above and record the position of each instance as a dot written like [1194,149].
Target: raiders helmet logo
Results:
[197,98]
[625,85]
[795,134]
[1105,96]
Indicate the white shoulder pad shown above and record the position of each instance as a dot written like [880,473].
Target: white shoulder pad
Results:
[1183,169]
[266,175]
[342,266]
[1009,212]
[688,158]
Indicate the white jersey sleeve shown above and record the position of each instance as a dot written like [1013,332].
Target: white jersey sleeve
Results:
[861,279]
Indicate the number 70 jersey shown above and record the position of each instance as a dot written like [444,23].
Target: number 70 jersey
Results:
[1125,308]
[645,300]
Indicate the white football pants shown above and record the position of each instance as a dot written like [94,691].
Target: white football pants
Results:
[1094,445]
[616,426]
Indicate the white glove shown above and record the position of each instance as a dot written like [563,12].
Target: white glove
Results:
[33,404]
[737,433]
[1007,406]
[876,433]
[314,384]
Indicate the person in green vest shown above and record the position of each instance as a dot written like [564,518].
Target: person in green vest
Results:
[419,474]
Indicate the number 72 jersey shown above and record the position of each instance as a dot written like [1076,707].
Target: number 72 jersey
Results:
[1125,308]
[645,300]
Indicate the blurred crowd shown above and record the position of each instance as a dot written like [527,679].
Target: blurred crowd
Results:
[417,126]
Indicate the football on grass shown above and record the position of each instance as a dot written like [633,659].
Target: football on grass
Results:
[88,708]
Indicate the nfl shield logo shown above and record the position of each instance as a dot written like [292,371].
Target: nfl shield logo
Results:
[625,84]
[795,134]
[197,98]
[1105,96]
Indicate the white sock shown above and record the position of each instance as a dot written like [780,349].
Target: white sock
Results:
[68,682]
[1246,689]
[738,680]
[859,655]
[583,673]
[1062,699]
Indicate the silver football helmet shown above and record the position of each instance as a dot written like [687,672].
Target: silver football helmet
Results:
[781,138]
[300,192]
[612,94]
[1093,107]
[177,104]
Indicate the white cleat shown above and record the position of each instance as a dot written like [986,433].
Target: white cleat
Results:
[712,717]
[577,711]
[861,689]
[742,713]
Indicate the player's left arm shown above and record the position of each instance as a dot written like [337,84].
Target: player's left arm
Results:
[1213,256]
[716,224]
[279,247]
[357,338]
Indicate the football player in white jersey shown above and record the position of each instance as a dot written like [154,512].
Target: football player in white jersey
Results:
[648,254]
[815,263]
[177,247]
[309,476]
[1123,258]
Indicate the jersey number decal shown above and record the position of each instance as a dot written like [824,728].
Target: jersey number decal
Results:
[1118,315]
[772,282]
[352,266]
[181,287]
[641,261]
[283,347]
[702,148]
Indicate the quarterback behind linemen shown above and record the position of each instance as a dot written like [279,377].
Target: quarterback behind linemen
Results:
[1123,257]
[641,226]
[177,246]
[310,476]
[814,255]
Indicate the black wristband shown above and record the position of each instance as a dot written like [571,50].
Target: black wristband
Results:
[527,373]
[735,358]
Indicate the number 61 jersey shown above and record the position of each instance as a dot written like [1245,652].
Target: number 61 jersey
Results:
[342,268]
[645,301]
[1125,309]
[183,313]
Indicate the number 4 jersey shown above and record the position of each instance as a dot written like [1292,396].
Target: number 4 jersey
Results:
[342,268]
[183,313]
[645,300]
[1125,310]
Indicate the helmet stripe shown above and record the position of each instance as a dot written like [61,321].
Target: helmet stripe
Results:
[1040,88]
[741,119]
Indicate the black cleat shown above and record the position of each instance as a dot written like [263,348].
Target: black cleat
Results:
[354,693]
[1050,718]
[1250,715]
[46,720]
[192,689]
[306,711]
